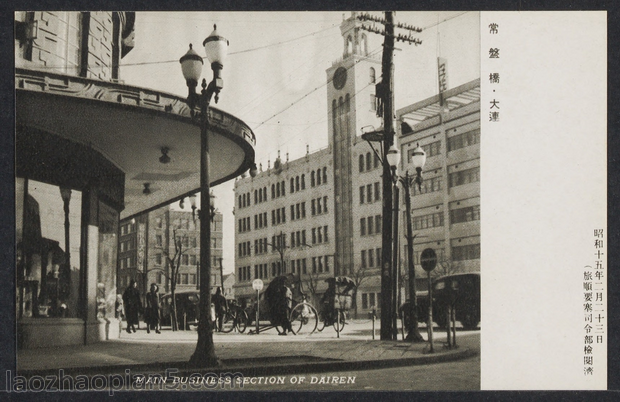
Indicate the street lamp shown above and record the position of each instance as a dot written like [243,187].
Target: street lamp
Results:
[393,159]
[191,65]
[418,159]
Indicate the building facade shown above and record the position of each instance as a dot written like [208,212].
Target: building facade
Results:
[88,153]
[68,195]
[279,213]
[147,246]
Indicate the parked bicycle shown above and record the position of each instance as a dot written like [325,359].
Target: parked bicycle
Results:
[336,302]
[234,318]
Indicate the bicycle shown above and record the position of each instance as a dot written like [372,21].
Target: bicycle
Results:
[335,319]
[304,318]
[234,317]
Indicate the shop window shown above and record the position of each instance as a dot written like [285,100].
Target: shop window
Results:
[48,253]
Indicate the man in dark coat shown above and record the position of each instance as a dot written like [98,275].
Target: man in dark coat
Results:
[133,305]
[220,304]
[151,312]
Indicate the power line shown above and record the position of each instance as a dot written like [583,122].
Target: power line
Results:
[262,95]
[235,53]
[307,94]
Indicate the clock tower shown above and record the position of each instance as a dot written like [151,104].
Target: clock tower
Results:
[351,106]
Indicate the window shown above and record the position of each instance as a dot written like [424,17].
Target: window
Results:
[158,239]
[378,223]
[363,226]
[297,183]
[371,259]
[325,204]
[325,234]
[158,259]
[303,209]
[192,259]
[364,259]
[372,75]
[369,225]
[362,194]
[318,177]
[464,177]
[431,149]
[369,193]
[368,161]
[466,214]
[464,140]
[469,252]
[361,167]
[292,185]
[377,191]
[429,186]
[314,265]
[364,301]
[273,191]
[428,221]
[324,175]
[303,182]
[376,162]
[184,279]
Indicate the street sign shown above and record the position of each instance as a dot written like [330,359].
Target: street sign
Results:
[257,284]
[428,259]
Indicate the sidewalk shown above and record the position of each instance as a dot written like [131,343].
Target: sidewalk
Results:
[266,353]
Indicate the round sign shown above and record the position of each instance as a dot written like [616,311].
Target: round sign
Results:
[428,259]
[257,284]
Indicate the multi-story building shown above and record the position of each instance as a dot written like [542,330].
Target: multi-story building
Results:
[285,223]
[147,243]
[281,211]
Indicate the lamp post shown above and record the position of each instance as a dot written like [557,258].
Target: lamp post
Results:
[418,159]
[191,66]
[393,159]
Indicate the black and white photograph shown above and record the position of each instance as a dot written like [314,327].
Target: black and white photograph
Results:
[310,201]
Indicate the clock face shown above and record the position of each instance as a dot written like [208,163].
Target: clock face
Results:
[340,77]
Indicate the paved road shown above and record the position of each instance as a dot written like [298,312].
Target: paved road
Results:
[461,375]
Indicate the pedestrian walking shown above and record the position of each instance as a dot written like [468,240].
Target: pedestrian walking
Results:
[219,302]
[133,305]
[151,312]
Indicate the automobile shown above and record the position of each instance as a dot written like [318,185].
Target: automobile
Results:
[460,290]
[187,308]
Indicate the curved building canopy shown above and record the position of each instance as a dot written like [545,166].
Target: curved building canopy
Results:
[134,128]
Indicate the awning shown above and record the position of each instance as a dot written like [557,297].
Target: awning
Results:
[130,126]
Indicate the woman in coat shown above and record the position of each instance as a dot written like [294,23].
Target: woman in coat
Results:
[133,305]
[151,312]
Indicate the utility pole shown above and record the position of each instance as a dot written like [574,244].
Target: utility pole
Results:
[385,94]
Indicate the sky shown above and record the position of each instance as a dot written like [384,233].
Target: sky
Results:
[274,75]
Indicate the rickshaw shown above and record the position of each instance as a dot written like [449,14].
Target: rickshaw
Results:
[278,306]
[336,302]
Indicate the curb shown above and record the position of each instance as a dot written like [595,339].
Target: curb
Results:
[275,368]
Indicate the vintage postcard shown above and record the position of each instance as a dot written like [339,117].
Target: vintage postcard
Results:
[310,201]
